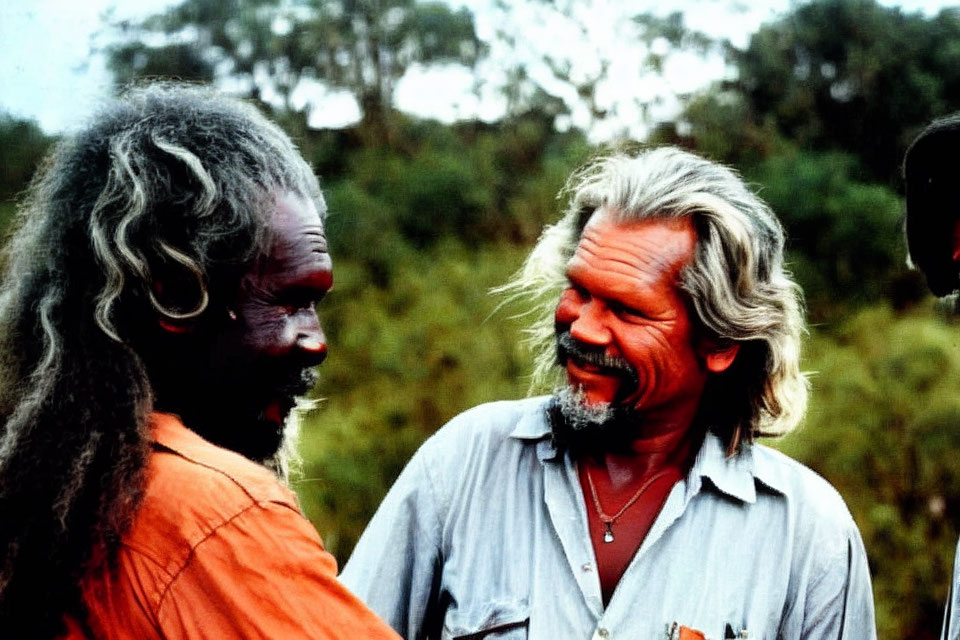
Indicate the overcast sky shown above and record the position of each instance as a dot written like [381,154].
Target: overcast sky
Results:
[47,72]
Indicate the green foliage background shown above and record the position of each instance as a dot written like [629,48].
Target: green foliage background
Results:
[426,218]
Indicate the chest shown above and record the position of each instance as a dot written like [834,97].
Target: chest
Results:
[520,561]
[618,520]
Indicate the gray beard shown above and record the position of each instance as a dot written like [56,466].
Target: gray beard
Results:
[579,415]
[584,428]
[286,462]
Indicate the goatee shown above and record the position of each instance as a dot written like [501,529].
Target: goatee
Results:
[590,429]
[582,427]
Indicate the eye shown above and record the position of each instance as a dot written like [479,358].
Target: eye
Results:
[296,306]
[580,292]
[629,314]
[300,299]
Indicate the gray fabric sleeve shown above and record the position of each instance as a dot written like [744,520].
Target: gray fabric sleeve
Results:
[951,615]
[840,599]
[396,566]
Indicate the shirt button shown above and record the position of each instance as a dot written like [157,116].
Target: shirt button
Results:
[586,567]
[603,633]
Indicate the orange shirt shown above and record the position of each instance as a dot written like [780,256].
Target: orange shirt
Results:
[219,549]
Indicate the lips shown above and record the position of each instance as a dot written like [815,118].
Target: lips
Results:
[275,412]
[291,386]
[594,369]
[589,358]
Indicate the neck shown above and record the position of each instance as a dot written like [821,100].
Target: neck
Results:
[649,454]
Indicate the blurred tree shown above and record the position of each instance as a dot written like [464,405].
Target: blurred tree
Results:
[366,46]
[844,236]
[717,123]
[197,40]
[852,75]
[403,361]
[474,182]
[271,48]
[884,428]
[555,56]
[22,146]
[843,232]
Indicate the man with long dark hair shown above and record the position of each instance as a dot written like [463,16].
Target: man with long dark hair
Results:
[933,239]
[157,322]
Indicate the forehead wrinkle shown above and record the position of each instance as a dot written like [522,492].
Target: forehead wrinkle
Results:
[624,237]
[630,285]
[294,252]
[593,261]
[641,256]
[300,233]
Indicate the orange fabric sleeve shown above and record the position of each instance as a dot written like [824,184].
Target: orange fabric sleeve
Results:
[264,574]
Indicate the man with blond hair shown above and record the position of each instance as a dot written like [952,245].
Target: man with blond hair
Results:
[633,501]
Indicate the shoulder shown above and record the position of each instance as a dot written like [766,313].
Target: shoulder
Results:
[475,448]
[190,495]
[797,482]
[493,423]
[194,497]
[818,512]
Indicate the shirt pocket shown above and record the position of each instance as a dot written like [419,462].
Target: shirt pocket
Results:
[496,622]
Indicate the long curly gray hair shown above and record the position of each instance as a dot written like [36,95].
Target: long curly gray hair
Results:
[736,283]
[168,181]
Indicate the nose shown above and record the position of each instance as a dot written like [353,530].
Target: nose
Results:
[310,341]
[588,325]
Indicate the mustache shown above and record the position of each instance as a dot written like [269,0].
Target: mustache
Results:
[569,347]
[298,382]
[288,378]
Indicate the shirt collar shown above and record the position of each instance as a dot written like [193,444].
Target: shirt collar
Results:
[167,430]
[736,475]
[533,425]
[732,475]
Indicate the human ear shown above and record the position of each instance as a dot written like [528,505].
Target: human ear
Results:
[169,317]
[171,327]
[718,357]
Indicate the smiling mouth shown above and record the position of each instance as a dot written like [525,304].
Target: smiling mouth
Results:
[596,364]
[592,368]
[284,397]
[276,412]
[588,358]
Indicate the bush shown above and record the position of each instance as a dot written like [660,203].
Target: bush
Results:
[403,361]
[883,427]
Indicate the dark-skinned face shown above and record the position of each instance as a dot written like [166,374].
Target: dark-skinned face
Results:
[275,305]
[234,378]
[625,336]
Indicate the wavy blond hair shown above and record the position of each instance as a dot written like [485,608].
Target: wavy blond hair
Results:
[736,282]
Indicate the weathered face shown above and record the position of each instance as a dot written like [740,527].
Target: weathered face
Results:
[631,340]
[234,377]
[275,305]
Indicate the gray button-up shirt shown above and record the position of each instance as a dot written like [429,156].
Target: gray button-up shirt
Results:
[951,617]
[485,535]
